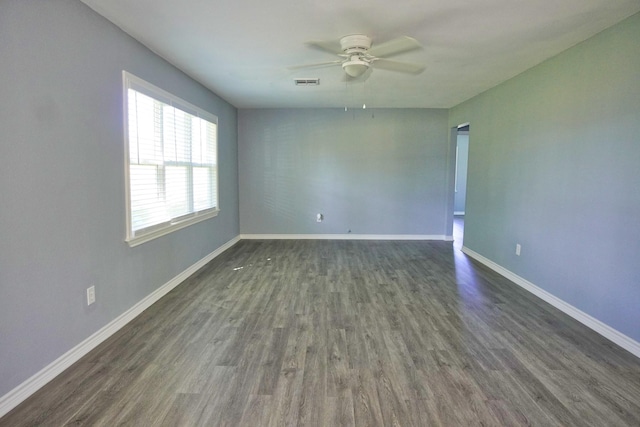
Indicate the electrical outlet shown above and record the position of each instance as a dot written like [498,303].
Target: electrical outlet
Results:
[91,295]
[518,248]
[319,217]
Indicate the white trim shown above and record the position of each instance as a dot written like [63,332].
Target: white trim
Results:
[458,213]
[345,237]
[628,343]
[49,372]
[175,226]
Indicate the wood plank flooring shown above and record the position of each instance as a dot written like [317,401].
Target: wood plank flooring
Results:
[353,333]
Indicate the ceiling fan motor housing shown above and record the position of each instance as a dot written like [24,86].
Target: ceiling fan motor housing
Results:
[355,43]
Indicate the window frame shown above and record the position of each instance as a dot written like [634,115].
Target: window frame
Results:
[134,238]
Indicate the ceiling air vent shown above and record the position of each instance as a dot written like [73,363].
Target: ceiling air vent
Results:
[307,82]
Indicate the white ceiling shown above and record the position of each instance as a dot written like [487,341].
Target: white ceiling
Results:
[241,49]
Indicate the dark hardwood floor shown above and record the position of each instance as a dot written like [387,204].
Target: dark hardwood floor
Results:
[367,333]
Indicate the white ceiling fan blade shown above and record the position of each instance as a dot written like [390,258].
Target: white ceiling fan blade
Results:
[316,65]
[394,47]
[403,67]
[326,46]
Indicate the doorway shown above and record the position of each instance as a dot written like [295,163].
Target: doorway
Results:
[460,182]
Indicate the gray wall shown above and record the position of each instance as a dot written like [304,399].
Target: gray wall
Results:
[371,172]
[461,172]
[62,202]
[555,166]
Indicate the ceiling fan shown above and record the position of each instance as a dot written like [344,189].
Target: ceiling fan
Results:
[358,55]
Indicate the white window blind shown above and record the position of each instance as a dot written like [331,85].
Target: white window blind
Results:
[171,162]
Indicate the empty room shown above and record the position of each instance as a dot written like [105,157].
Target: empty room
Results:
[259,213]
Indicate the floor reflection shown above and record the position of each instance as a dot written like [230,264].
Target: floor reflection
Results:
[458,231]
[466,279]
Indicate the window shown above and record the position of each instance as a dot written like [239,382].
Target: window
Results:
[171,162]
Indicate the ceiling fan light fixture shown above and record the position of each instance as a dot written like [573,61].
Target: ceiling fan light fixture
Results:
[355,67]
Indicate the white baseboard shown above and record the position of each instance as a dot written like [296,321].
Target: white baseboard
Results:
[345,237]
[628,343]
[37,381]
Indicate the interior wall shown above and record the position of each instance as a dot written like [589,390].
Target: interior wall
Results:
[381,171]
[62,215]
[554,166]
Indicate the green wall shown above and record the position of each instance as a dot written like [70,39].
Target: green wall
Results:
[554,164]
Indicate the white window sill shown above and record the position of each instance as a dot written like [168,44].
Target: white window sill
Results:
[169,228]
